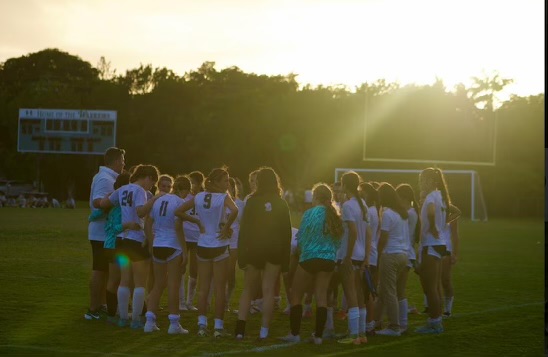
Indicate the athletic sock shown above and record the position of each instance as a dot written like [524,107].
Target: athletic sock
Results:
[362,319]
[150,316]
[138,303]
[321,317]
[202,320]
[112,303]
[123,301]
[240,328]
[219,324]
[295,316]
[264,332]
[329,323]
[354,321]
[403,313]
[448,303]
[174,319]
[191,291]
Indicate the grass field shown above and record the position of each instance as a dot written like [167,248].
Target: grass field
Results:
[45,263]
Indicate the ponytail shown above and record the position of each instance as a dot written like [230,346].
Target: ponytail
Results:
[350,181]
[442,186]
[333,223]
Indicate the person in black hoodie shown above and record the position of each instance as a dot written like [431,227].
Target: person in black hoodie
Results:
[264,246]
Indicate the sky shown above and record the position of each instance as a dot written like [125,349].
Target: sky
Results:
[329,42]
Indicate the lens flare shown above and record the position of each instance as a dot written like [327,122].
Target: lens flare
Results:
[122,260]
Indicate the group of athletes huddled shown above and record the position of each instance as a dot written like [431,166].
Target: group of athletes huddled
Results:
[365,236]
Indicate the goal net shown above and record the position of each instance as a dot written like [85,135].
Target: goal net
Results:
[464,186]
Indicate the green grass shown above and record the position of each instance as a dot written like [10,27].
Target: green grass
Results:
[45,264]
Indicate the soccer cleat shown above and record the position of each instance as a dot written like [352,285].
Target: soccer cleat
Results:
[412,310]
[446,315]
[191,307]
[350,341]
[182,306]
[291,338]
[150,327]
[315,340]
[202,331]
[177,330]
[219,333]
[123,322]
[388,332]
[363,338]
[430,329]
[92,315]
[254,309]
[239,337]
[137,324]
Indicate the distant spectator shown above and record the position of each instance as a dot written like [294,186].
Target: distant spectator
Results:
[21,201]
[3,199]
[70,203]
[55,203]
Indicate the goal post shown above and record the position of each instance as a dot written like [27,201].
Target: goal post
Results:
[463,185]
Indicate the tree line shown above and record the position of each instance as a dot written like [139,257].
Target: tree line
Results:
[210,117]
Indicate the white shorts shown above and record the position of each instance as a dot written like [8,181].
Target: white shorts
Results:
[191,235]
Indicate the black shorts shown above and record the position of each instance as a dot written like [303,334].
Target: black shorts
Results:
[162,253]
[314,266]
[110,254]
[259,261]
[191,245]
[132,249]
[214,254]
[100,259]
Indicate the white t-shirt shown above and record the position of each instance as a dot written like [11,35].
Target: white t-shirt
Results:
[398,232]
[351,212]
[163,214]
[374,224]
[102,185]
[308,195]
[294,241]
[427,239]
[192,231]
[412,223]
[446,234]
[210,208]
[236,225]
[129,197]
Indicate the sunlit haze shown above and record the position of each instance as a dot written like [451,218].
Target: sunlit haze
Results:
[325,42]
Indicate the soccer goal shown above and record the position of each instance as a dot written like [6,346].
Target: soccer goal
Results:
[464,186]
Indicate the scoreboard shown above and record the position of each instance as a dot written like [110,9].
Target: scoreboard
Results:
[64,131]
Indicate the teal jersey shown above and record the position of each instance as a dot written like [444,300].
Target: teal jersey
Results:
[113,227]
[313,240]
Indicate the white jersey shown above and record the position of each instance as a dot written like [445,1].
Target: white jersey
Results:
[129,197]
[236,225]
[210,208]
[374,224]
[351,212]
[163,214]
[446,234]
[101,186]
[192,231]
[398,232]
[294,240]
[427,239]
[412,222]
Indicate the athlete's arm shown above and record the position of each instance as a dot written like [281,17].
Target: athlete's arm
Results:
[431,214]
[226,231]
